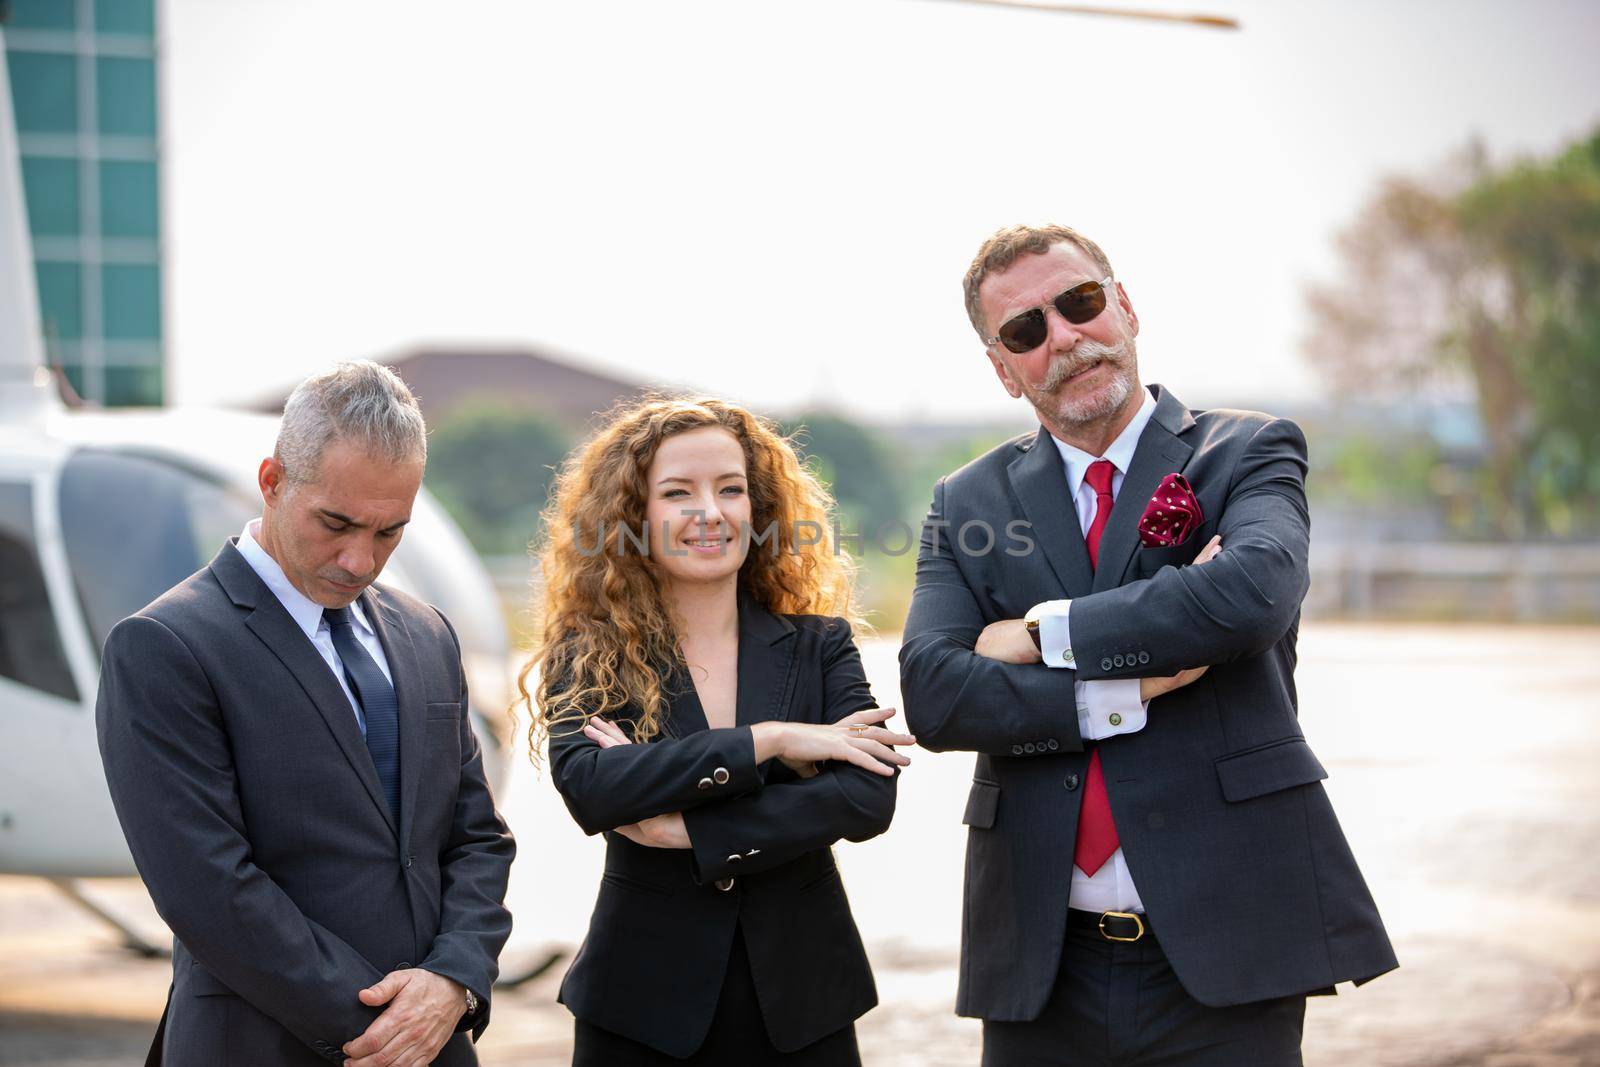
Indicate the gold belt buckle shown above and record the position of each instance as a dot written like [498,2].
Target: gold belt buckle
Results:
[1121,915]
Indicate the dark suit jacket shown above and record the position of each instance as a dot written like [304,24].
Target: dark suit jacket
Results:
[653,963]
[1228,833]
[254,813]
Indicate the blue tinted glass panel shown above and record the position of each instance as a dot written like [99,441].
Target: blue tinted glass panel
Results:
[128,200]
[74,373]
[132,297]
[125,16]
[61,300]
[41,14]
[51,189]
[133,387]
[127,96]
[44,92]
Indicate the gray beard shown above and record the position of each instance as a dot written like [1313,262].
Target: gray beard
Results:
[1122,359]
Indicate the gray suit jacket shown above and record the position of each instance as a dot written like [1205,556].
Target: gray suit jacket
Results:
[1228,833]
[254,814]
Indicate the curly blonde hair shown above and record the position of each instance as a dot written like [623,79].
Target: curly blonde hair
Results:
[606,631]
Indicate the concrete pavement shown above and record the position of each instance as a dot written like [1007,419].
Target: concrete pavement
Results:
[1463,764]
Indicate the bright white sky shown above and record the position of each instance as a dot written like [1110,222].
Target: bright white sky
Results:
[775,200]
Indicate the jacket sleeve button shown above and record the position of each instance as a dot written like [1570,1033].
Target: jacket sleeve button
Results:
[720,775]
[703,784]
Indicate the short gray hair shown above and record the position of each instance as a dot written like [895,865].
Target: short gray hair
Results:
[360,401]
[1006,245]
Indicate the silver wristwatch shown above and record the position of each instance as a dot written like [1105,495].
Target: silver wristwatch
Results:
[472,1002]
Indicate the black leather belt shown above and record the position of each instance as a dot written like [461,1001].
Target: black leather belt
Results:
[1111,925]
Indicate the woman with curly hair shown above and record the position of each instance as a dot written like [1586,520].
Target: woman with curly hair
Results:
[704,706]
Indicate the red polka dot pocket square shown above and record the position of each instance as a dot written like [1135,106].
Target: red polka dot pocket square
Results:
[1172,515]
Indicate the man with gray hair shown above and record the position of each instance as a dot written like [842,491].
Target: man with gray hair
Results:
[290,757]
[1154,873]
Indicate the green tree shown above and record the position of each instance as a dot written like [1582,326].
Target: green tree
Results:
[1489,278]
[857,465]
[490,465]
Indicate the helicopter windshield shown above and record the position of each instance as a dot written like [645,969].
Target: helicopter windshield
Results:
[135,526]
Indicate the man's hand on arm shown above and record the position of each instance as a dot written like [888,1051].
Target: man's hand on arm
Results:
[423,1010]
[1008,641]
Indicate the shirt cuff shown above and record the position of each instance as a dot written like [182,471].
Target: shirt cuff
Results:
[1107,707]
[1055,641]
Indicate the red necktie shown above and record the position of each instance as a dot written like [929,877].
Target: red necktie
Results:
[1097,833]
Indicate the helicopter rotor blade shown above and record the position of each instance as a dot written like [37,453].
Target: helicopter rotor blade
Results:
[1212,22]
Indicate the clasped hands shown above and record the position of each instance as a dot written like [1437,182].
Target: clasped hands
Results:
[423,1010]
[858,738]
[1007,641]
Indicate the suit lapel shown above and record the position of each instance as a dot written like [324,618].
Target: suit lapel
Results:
[401,653]
[688,714]
[766,664]
[1160,452]
[765,674]
[272,624]
[1039,479]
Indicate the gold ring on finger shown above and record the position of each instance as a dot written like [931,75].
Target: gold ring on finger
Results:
[859,728]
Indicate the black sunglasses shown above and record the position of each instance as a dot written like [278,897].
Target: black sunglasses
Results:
[1027,331]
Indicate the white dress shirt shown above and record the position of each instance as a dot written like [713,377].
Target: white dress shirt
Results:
[1111,888]
[307,614]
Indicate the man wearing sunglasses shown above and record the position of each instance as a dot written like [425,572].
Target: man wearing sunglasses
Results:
[1154,873]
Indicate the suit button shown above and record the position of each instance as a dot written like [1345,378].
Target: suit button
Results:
[735,858]
[1051,744]
[403,965]
[408,860]
[704,784]
[1016,750]
[1116,661]
[1030,747]
[724,884]
[1144,657]
[720,775]
[1070,781]
[1105,664]
[1116,718]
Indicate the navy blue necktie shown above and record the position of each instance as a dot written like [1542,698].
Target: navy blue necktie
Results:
[378,704]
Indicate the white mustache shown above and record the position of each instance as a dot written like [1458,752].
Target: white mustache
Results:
[1083,355]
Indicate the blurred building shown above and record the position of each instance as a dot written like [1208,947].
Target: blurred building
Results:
[446,377]
[84,89]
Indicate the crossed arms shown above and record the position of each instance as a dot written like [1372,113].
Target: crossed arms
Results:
[1235,605]
[704,792]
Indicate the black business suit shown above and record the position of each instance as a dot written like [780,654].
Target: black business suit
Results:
[659,945]
[257,820]
[1227,831]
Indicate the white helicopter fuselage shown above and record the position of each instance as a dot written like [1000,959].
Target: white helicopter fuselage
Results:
[99,513]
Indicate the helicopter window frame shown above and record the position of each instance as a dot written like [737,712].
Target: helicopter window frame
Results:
[32,653]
